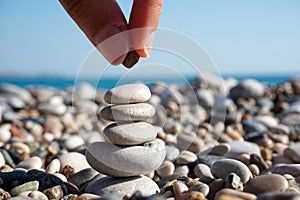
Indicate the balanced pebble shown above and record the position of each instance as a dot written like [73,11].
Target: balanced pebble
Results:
[130,133]
[122,161]
[265,183]
[125,94]
[128,112]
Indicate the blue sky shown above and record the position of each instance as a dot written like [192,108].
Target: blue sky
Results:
[249,36]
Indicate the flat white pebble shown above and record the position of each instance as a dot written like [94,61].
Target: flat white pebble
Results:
[130,93]
[130,133]
[128,112]
[31,163]
[73,142]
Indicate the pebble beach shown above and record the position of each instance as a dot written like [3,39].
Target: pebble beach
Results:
[209,139]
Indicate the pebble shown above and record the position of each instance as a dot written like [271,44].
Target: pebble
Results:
[29,186]
[125,94]
[205,98]
[293,152]
[189,142]
[248,88]
[5,134]
[209,160]
[265,183]
[55,192]
[82,177]
[124,186]
[226,193]
[218,150]
[223,168]
[31,163]
[130,133]
[292,169]
[122,161]
[37,195]
[203,172]
[75,160]
[266,120]
[128,112]
[186,157]
[87,196]
[16,91]
[179,188]
[54,166]
[73,142]
[254,126]
[172,152]
[233,181]
[201,187]
[248,148]
[279,195]
[84,90]
[167,168]
[2,160]
[181,170]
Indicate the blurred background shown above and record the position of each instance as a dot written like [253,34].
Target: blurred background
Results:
[243,38]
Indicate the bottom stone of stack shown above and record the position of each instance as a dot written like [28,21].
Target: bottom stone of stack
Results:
[125,161]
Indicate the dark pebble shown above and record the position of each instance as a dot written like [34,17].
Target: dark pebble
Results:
[253,126]
[46,180]
[209,159]
[259,161]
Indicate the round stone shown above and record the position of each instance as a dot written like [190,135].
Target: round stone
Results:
[31,163]
[128,112]
[248,88]
[186,157]
[130,133]
[123,161]
[223,168]
[203,172]
[166,169]
[75,160]
[125,94]
[292,169]
[227,193]
[293,152]
[265,183]
[279,195]
[248,148]
[172,152]
[123,186]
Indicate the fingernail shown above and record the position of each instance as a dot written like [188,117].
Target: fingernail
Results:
[148,44]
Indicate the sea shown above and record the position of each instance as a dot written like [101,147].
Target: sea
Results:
[107,83]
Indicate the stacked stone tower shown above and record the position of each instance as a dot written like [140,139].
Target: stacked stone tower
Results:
[130,148]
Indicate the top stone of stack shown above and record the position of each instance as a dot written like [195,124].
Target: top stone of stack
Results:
[125,94]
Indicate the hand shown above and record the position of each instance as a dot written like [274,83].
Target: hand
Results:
[102,19]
